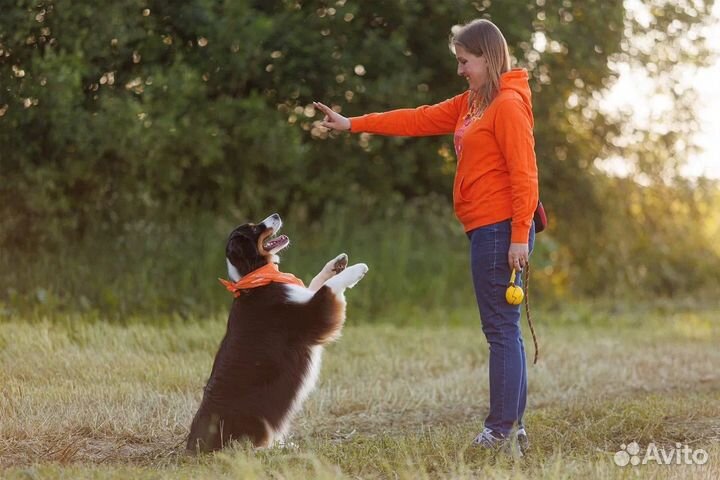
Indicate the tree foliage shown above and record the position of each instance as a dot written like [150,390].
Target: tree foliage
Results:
[139,109]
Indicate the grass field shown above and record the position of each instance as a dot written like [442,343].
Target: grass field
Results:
[84,399]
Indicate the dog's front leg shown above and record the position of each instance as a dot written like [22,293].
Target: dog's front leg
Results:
[347,279]
[323,315]
[332,268]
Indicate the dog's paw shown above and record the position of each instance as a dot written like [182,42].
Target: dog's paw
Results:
[348,278]
[356,273]
[339,263]
[286,443]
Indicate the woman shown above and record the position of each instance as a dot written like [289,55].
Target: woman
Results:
[495,194]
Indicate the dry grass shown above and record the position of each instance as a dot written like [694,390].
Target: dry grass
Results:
[85,400]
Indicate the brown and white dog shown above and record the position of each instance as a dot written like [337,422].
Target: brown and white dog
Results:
[269,359]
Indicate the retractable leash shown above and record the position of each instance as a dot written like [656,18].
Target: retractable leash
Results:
[514,296]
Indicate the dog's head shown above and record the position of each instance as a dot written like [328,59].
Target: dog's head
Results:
[251,246]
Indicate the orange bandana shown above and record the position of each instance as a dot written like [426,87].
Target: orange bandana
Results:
[261,277]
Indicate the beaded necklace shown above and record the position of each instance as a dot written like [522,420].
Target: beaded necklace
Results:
[475,108]
[475,111]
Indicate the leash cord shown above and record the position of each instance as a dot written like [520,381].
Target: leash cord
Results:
[527,311]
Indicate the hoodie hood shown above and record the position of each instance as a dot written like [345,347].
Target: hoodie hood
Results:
[516,80]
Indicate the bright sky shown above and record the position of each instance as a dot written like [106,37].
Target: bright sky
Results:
[708,82]
[633,85]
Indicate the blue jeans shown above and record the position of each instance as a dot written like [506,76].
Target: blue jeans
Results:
[489,246]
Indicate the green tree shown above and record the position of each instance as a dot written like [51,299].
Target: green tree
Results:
[148,109]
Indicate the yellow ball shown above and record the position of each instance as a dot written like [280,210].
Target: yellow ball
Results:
[514,295]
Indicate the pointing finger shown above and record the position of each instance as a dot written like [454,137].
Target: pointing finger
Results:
[322,107]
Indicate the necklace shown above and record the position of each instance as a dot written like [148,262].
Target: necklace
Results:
[475,108]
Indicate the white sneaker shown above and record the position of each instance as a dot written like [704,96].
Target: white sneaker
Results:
[489,439]
[522,440]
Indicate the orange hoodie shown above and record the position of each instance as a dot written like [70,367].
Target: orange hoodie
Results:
[496,177]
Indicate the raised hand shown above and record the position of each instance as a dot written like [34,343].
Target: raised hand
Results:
[332,120]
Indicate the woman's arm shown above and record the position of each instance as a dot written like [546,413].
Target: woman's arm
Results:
[514,134]
[438,119]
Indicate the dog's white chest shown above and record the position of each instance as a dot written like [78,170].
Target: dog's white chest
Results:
[298,294]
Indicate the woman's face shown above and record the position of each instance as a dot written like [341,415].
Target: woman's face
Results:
[472,67]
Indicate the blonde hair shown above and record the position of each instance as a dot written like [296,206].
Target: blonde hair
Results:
[483,38]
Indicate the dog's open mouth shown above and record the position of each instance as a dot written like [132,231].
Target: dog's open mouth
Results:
[272,244]
[276,244]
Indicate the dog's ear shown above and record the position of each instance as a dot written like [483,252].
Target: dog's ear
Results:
[242,253]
